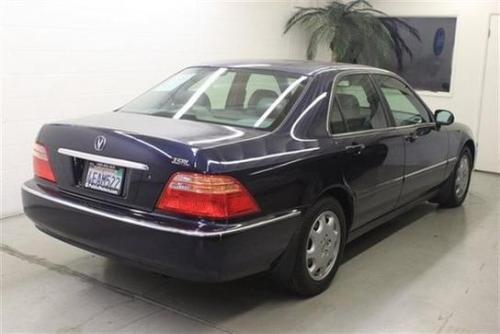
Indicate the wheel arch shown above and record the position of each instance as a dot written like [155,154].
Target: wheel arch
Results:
[469,143]
[346,200]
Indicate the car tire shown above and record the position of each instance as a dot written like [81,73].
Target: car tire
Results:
[454,191]
[317,249]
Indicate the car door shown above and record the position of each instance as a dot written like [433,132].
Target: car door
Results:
[372,156]
[425,144]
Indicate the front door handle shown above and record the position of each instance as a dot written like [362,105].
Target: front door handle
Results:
[355,148]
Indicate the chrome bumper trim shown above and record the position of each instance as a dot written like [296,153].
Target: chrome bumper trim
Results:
[103,159]
[225,230]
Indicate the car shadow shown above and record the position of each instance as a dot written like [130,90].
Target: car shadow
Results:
[378,234]
[220,301]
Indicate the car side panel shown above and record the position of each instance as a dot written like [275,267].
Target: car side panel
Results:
[295,165]
[426,160]
[374,174]
[458,135]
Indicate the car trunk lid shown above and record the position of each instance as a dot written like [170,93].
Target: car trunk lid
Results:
[139,151]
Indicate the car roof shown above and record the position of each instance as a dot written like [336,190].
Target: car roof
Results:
[302,67]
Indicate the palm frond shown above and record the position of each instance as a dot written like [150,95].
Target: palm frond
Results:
[319,35]
[373,11]
[302,16]
[414,32]
[400,46]
[355,32]
[377,43]
[357,3]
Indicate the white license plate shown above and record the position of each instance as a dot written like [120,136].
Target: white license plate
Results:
[104,178]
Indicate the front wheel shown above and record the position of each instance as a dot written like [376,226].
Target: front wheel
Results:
[455,189]
[319,248]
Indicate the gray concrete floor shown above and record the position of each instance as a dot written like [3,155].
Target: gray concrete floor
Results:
[430,270]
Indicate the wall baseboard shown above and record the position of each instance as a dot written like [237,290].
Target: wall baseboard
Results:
[10,214]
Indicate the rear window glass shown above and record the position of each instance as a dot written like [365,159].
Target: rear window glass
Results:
[239,97]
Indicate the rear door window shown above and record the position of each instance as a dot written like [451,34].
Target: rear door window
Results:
[359,104]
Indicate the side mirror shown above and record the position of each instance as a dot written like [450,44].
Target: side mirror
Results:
[444,117]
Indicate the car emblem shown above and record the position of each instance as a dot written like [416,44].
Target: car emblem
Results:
[99,143]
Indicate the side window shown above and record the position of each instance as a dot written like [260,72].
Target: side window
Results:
[337,124]
[359,104]
[403,104]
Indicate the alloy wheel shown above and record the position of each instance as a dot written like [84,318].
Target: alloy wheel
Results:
[462,176]
[323,245]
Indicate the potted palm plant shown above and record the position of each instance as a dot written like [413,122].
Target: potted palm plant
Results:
[355,32]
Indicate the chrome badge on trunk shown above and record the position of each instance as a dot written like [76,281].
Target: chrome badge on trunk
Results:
[99,143]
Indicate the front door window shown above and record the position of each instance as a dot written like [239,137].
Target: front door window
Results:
[404,106]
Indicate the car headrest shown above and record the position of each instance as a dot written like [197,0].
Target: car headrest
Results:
[261,99]
[349,105]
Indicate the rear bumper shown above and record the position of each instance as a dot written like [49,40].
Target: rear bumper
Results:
[193,250]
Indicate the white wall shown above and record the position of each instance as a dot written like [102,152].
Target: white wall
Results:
[67,58]
[469,55]
[488,137]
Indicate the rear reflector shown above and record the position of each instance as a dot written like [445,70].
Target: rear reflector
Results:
[211,196]
[41,163]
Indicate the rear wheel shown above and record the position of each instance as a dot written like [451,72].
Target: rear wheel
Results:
[455,189]
[319,248]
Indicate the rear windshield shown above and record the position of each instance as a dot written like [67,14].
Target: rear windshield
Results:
[239,97]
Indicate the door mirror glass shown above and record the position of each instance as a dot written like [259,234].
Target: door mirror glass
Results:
[444,117]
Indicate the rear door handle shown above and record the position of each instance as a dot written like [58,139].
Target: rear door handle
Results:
[411,137]
[355,148]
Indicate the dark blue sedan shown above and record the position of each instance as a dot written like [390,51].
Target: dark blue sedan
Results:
[230,169]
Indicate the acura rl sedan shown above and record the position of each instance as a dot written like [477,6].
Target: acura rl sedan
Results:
[229,169]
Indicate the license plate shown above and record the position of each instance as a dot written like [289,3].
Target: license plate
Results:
[105,178]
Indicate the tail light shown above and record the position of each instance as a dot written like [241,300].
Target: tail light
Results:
[212,196]
[41,163]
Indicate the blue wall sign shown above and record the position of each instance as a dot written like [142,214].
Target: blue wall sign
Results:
[439,40]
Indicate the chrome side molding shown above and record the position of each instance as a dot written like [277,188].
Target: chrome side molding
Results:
[229,229]
[103,159]
[423,170]
[439,164]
